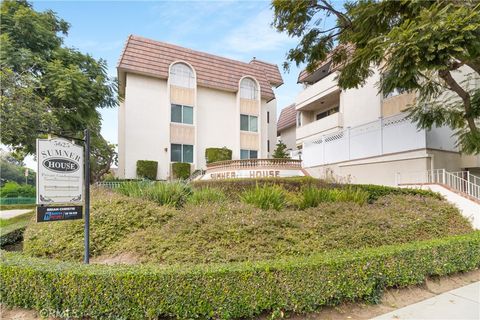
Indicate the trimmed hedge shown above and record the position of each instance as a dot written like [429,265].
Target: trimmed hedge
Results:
[296,184]
[147,169]
[229,290]
[217,154]
[181,170]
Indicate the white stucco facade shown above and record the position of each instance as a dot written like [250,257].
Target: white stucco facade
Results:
[145,127]
[364,137]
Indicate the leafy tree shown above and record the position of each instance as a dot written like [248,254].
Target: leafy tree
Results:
[13,170]
[415,45]
[47,87]
[280,151]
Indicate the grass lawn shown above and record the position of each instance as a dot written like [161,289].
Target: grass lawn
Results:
[12,224]
[213,225]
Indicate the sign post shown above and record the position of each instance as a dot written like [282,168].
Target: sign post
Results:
[86,258]
[63,182]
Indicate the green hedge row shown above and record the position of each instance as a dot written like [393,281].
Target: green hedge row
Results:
[233,290]
[218,154]
[147,169]
[181,170]
[296,184]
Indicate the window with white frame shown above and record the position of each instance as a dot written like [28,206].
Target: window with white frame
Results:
[248,89]
[248,123]
[181,153]
[181,75]
[181,114]
[248,154]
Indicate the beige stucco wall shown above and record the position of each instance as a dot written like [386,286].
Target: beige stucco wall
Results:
[397,104]
[218,122]
[269,130]
[289,138]
[361,105]
[121,140]
[145,130]
[147,123]
[375,170]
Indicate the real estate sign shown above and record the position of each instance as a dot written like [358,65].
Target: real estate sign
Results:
[60,172]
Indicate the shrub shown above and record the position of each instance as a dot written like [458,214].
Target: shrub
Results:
[163,193]
[13,190]
[218,154]
[181,170]
[147,169]
[207,195]
[234,290]
[311,197]
[235,187]
[265,197]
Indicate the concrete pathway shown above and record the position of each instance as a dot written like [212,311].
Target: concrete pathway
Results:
[462,303]
[7,214]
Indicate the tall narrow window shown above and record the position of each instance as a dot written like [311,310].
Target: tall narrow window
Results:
[248,123]
[268,116]
[181,75]
[268,145]
[248,89]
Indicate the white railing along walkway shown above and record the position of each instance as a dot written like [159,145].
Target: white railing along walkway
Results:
[461,181]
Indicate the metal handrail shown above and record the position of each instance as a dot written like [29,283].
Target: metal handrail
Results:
[453,180]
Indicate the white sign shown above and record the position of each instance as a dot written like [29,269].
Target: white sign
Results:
[254,173]
[60,171]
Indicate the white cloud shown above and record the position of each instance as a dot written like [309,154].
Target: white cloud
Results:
[256,35]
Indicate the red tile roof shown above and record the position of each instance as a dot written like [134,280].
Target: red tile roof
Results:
[287,118]
[153,58]
[271,71]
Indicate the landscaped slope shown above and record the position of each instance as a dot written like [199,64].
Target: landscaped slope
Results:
[224,230]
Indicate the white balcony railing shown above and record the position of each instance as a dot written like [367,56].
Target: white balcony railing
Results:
[383,136]
[317,90]
[330,122]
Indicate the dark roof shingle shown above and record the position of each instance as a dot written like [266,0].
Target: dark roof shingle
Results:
[142,55]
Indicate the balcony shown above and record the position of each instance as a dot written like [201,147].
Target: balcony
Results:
[307,131]
[317,91]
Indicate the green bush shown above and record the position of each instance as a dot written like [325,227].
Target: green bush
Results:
[181,170]
[311,197]
[234,290]
[265,197]
[235,187]
[163,193]
[218,154]
[147,169]
[376,191]
[207,195]
[13,190]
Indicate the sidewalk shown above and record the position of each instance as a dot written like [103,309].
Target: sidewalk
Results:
[7,214]
[462,303]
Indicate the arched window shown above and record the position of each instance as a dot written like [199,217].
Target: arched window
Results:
[248,89]
[181,75]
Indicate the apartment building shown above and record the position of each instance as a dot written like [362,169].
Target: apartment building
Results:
[176,102]
[286,127]
[365,136]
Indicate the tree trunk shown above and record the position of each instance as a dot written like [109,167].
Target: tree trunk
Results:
[454,86]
